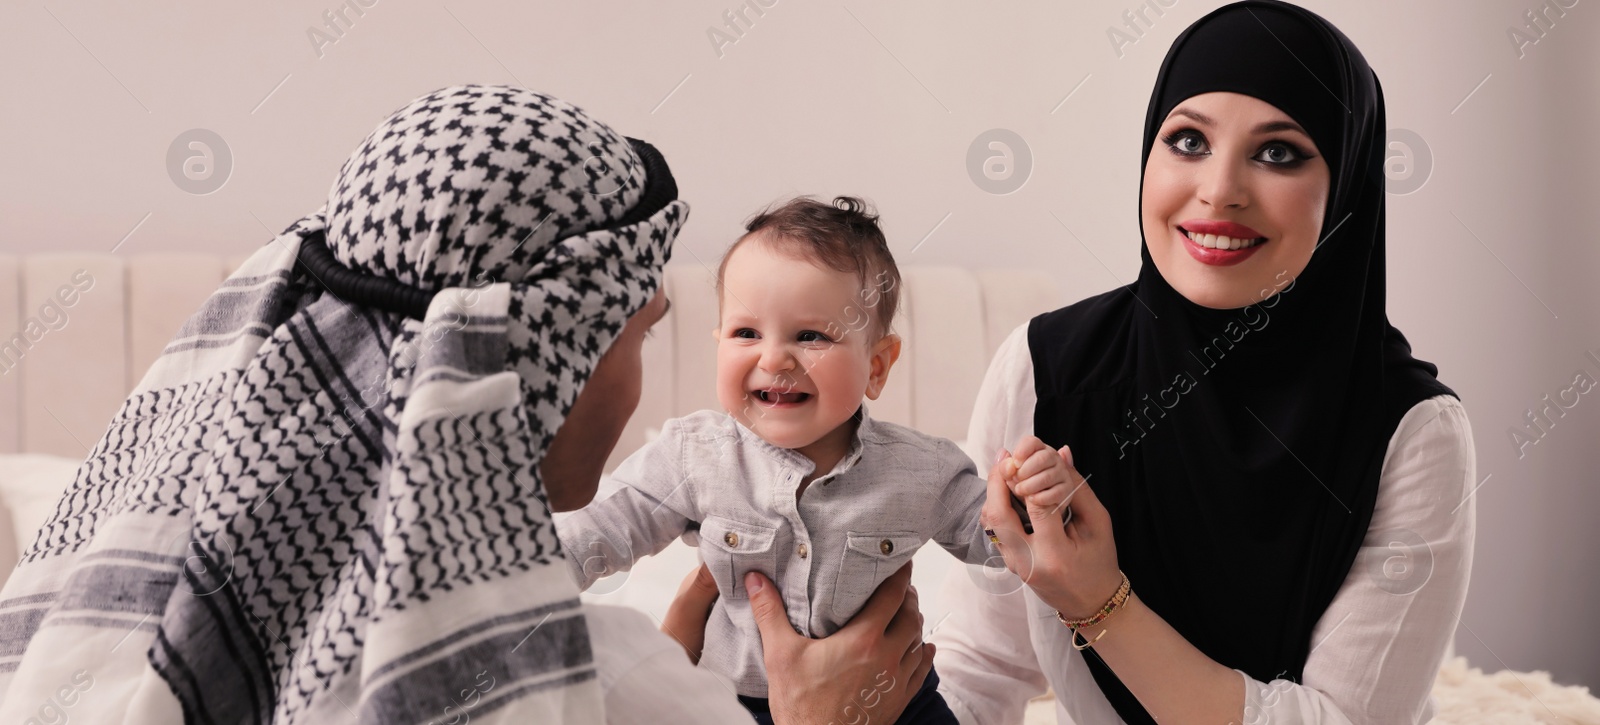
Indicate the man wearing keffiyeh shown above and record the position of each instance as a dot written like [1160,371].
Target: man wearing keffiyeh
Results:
[321,507]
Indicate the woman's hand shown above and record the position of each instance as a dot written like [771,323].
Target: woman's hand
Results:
[870,668]
[1071,567]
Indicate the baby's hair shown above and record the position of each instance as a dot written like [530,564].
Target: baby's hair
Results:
[842,236]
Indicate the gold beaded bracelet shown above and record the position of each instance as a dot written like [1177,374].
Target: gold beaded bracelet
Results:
[1111,607]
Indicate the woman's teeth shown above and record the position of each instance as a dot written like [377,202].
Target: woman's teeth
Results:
[1217,241]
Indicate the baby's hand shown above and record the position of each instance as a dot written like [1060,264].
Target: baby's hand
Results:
[1040,475]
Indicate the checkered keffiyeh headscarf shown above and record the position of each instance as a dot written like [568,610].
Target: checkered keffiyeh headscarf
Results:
[323,503]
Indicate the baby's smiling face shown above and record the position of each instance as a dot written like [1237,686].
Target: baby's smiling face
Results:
[795,350]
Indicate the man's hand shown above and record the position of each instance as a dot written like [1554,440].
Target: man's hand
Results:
[686,617]
[870,668]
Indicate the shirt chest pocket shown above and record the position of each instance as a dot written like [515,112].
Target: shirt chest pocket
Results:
[733,548]
[869,558]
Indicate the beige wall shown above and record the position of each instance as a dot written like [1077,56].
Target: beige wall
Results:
[883,99]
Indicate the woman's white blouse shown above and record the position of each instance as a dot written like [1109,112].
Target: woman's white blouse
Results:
[1375,651]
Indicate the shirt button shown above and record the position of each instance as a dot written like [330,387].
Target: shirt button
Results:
[886,546]
[802,551]
[731,539]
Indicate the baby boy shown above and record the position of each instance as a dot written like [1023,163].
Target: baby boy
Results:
[794,480]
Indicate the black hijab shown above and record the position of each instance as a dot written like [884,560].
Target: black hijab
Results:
[1238,451]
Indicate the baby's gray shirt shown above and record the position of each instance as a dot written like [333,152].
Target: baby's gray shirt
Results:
[852,528]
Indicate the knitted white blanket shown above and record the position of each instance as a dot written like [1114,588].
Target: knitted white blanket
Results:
[1464,695]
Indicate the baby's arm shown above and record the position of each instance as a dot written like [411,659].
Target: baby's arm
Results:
[961,533]
[1035,472]
[638,511]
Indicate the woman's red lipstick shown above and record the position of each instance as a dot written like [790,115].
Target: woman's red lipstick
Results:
[1218,257]
[1226,229]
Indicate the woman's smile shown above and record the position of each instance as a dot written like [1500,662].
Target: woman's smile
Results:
[1219,249]
[1221,234]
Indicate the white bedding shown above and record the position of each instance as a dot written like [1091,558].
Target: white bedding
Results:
[30,485]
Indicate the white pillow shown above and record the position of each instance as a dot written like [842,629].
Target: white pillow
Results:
[30,486]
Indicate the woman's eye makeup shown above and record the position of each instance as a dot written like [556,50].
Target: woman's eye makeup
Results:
[1179,142]
[1282,153]
[1191,143]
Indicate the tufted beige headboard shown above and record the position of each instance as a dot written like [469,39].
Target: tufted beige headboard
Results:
[77,331]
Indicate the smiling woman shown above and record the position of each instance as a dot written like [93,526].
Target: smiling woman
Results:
[1240,189]
[1248,518]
